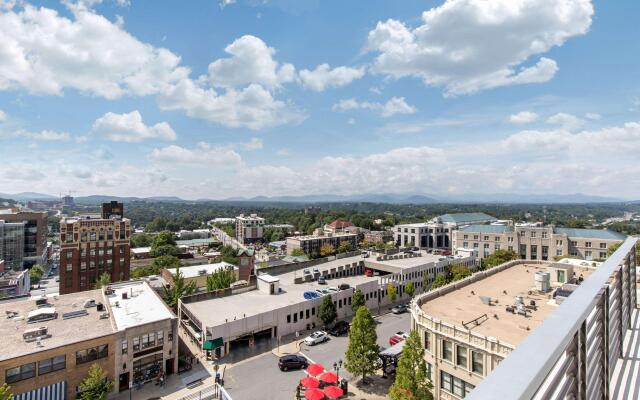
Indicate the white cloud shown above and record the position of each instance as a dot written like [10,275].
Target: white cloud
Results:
[202,155]
[566,121]
[45,135]
[396,105]
[253,144]
[130,128]
[492,45]
[523,117]
[224,3]
[283,152]
[593,116]
[324,77]
[3,116]
[351,121]
[251,61]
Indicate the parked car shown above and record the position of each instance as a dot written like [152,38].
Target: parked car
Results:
[340,328]
[316,338]
[368,272]
[333,289]
[323,291]
[322,281]
[292,361]
[398,337]
[399,309]
[344,286]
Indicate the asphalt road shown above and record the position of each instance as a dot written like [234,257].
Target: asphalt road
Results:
[260,378]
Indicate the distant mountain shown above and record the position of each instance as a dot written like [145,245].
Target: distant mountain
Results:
[329,198]
[27,196]
[97,199]
[529,198]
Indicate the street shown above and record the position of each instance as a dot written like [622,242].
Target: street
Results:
[260,377]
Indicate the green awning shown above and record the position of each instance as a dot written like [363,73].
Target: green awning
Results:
[213,344]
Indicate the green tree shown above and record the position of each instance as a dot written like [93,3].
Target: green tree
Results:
[220,279]
[141,240]
[298,252]
[327,250]
[460,271]
[412,381]
[358,300]
[5,392]
[425,280]
[157,265]
[410,289]
[229,255]
[439,281]
[35,273]
[164,250]
[361,358]
[391,293]
[164,244]
[103,280]
[179,289]
[97,385]
[327,312]
[344,247]
[499,257]
[612,249]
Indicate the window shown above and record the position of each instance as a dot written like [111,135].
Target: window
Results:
[560,276]
[136,343]
[148,340]
[52,364]
[92,252]
[533,234]
[558,242]
[69,267]
[83,236]
[92,236]
[465,244]
[306,314]
[160,337]
[427,341]
[92,354]
[455,385]
[486,237]
[20,373]
[544,234]
[497,238]
[461,356]
[603,245]
[603,255]
[69,253]
[124,346]
[447,350]
[573,243]
[558,252]
[295,318]
[477,363]
[587,244]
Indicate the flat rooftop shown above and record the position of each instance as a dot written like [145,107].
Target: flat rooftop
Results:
[62,331]
[312,237]
[193,271]
[402,263]
[461,305]
[141,306]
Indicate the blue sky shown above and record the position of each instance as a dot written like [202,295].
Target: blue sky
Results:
[203,99]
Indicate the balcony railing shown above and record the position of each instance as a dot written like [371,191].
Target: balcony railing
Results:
[572,354]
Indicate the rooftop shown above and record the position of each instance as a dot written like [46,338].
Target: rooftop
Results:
[311,237]
[466,218]
[464,304]
[141,306]
[62,331]
[591,233]
[193,271]
[485,228]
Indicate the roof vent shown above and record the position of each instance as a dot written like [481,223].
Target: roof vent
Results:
[75,314]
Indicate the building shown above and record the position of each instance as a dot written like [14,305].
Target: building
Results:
[12,244]
[91,246]
[249,228]
[35,234]
[113,209]
[340,226]
[311,244]
[198,273]
[194,234]
[14,283]
[373,237]
[68,201]
[437,233]
[468,327]
[536,241]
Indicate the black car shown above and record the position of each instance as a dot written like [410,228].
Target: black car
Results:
[344,286]
[340,328]
[292,361]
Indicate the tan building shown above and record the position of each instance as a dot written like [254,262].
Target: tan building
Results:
[34,237]
[535,241]
[468,327]
[311,244]
[249,228]
[91,246]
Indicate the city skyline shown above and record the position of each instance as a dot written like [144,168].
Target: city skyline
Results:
[249,98]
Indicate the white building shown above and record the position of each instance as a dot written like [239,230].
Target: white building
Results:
[249,228]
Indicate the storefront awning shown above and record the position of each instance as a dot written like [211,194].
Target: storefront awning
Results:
[213,344]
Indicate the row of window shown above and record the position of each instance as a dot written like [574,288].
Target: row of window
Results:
[143,342]
[455,385]
[461,357]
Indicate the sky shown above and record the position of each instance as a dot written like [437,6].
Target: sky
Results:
[225,98]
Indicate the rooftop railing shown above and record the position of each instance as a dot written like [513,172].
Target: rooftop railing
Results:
[572,354]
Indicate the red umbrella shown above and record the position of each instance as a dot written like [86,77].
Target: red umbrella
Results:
[329,377]
[333,392]
[310,382]
[315,369]
[313,394]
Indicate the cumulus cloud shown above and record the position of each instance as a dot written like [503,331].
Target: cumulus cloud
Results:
[492,45]
[45,135]
[130,128]
[253,144]
[593,116]
[3,116]
[324,77]
[566,121]
[203,154]
[523,117]
[396,105]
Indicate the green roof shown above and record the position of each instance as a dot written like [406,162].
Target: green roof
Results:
[591,233]
[466,218]
[485,228]
[213,344]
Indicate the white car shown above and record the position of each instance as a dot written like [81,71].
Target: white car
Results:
[316,338]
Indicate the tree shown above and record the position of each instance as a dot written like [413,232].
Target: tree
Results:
[344,247]
[96,385]
[327,312]
[391,293]
[157,265]
[180,289]
[412,381]
[220,279]
[141,240]
[5,392]
[35,273]
[361,358]
[439,281]
[164,250]
[229,255]
[499,257]
[425,281]
[326,250]
[612,249]
[460,271]
[164,244]
[298,253]
[357,300]
[103,280]
[410,289]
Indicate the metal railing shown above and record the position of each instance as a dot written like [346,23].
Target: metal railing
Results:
[215,392]
[572,354]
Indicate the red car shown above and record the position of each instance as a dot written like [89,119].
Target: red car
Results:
[398,337]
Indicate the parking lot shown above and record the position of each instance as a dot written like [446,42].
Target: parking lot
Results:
[260,378]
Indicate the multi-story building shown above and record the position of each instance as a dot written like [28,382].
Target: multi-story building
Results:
[68,201]
[468,327]
[311,244]
[14,283]
[12,244]
[373,237]
[249,228]
[91,246]
[437,233]
[535,241]
[34,237]
[340,226]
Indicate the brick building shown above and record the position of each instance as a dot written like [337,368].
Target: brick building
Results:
[34,238]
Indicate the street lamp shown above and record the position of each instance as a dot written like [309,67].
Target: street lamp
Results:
[336,367]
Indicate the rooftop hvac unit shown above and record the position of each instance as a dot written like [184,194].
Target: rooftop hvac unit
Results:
[542,281]
[124,295]
[89,303]
[31,335]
